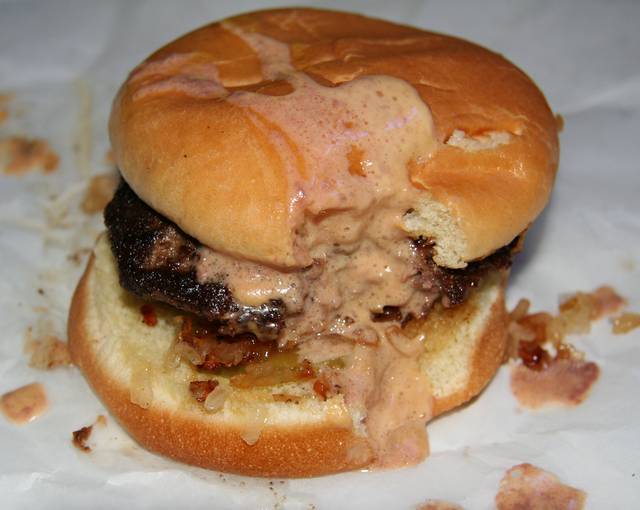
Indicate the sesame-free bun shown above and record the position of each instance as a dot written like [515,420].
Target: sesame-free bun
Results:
[203,162]
[119,355]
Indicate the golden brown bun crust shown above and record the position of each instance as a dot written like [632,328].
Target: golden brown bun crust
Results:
[186,156]
[282,451]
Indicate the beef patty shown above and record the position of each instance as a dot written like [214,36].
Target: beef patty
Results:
[157,261]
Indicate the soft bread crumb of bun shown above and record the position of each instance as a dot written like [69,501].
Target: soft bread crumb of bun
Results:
[433,220]
[186,155]
[109,342]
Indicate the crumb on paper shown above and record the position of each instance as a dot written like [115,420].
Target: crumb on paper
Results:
[541,379]
[4,106]
[564,382]
[19,155]
[607,302]
[99,193]
[437,504]
[625,322]
[527,487]
[24,404]
[46,352]
[80,437]
[559,122]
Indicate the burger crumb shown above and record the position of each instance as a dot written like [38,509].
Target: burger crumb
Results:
[542,379]
[559,122]
[606,302]
[80,438]
[564,382]
[527,486]
[99,193]
[47,352]
[625,322]
[82,435]
[437,504]
[19,155]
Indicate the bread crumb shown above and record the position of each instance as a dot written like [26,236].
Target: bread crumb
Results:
[19,155]
[482,141]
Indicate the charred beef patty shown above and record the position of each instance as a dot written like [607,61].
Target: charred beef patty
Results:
[157,261]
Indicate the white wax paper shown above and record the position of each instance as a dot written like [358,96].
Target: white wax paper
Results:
[62,62]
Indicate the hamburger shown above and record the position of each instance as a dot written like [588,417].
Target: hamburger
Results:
[306,258]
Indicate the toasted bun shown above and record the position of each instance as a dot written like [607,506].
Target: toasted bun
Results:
[206,163]
[119,354]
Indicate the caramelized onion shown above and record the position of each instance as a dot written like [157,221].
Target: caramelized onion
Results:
[215,399]
[180,351]
[254,426]
[279,369]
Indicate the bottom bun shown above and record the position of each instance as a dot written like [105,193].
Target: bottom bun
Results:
[126,360]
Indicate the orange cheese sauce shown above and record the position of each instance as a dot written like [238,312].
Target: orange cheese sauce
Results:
[345,151]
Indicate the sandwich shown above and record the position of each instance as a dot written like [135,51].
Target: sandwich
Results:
[306,258]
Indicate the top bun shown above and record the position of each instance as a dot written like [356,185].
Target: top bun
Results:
[224,132]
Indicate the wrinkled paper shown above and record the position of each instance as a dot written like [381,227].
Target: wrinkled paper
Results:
[61,63]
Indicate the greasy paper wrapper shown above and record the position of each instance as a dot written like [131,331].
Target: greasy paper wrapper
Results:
[63,62]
